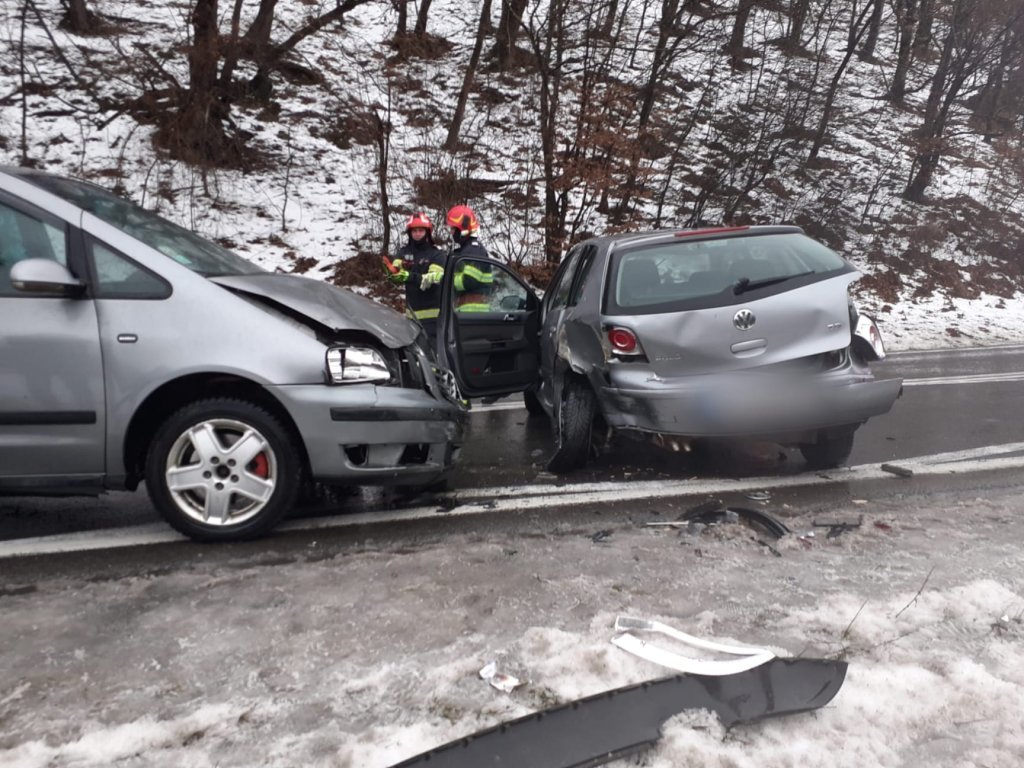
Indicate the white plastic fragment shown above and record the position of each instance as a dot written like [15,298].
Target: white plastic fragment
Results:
[499,680]
[688,664]
[748,657]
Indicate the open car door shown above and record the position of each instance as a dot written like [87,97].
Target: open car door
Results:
[488,327]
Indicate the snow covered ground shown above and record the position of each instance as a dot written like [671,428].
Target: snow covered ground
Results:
[362,654]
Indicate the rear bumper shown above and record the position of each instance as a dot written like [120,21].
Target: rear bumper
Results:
[370,435]
[746,406]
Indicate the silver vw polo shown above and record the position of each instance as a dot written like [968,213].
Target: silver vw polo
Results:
[132,349]
[680,335]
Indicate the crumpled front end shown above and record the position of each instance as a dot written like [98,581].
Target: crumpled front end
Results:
[371,434]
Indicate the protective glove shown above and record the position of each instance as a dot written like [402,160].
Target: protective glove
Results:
[397,275]
[430,279]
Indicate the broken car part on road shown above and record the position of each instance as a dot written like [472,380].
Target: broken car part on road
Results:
[609,725]
[748,657]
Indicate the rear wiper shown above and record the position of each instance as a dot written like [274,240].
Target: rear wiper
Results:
[745,284]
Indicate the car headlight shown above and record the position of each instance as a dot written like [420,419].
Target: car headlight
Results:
[356,365]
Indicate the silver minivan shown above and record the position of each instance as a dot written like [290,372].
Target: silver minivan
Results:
[132,349]
[679,336]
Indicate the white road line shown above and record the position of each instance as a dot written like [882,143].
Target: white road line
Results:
[977,378]
[476,501]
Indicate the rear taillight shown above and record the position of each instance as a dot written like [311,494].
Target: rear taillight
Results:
[623,341]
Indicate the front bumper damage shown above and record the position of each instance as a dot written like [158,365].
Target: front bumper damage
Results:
[379,435]
[610,725]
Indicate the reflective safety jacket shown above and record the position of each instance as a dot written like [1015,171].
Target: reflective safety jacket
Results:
[473,281]
[415,261]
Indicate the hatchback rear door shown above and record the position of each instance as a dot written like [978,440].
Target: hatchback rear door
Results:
[706,308]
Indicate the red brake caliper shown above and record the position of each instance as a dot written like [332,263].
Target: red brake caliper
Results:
[260,466]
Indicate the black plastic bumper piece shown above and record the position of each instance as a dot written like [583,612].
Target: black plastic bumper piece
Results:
[601,728]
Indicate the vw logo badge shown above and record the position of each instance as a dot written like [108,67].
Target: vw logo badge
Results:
[744,320]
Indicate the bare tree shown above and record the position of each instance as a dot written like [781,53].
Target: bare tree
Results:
[923,37]
[509,24]
[736,46]
[451,142]
[420,30]
[975,34]
[858,28]
[867,50]
[907,24]
[798,10]
[259,31]
[77,18]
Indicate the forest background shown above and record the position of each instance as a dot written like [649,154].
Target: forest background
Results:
[302,133]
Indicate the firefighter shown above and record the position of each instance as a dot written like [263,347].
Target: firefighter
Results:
[473,279]
[419,266]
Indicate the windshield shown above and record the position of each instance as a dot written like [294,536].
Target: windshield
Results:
[682,274]
[185,247]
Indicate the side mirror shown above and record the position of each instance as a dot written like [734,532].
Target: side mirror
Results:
[45,277]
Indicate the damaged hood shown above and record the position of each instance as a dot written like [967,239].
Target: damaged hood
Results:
[328,305]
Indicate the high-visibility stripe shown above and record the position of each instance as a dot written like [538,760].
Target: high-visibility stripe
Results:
[435,268]
[473,308]
[425,314]
[479,275]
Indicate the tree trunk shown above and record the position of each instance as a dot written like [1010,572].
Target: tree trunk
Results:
[402,6]
[196,133]
[867,51]
[858,28]
[259,32]
[452,141]
[907,16]
[739,32]
[78,19]
[231,54]
[923,37]
[508,31]
[797,17]
[420,30]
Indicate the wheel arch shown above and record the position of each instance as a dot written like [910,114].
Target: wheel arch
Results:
[174,395]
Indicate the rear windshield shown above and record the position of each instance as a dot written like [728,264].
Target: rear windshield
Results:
[185,247]
[694,275]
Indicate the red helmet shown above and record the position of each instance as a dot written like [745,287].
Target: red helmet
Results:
[462,218]
[419,220]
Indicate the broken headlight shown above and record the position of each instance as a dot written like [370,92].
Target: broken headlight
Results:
[357,365]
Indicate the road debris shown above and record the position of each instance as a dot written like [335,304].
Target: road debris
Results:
[499,680]
[601,728]
[895,469]
[759,496]
[600,536]
[748,657]
[838,527]
[713,514]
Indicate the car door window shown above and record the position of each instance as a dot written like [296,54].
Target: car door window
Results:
[586,260]
[118,277]
[23,236]
[560,293]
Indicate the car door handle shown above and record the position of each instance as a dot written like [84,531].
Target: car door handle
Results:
[509,318]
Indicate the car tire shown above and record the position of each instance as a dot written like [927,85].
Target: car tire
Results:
[532,402]
[196,479]
[829,451]
[575,421]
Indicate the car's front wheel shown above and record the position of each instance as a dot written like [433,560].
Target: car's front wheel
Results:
[574,428]
[829,451]
[222,469]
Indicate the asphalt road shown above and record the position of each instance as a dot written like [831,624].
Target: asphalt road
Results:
[954,400]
